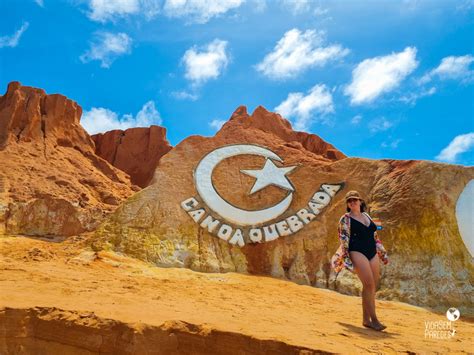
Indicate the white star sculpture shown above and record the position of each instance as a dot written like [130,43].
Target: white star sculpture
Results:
[270,175]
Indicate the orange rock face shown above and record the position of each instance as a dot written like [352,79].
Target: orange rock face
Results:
[196,216]
[29,115]
[136,151]
[51,181]
[274,124]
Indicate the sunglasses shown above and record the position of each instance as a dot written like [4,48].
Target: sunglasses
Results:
[352,200]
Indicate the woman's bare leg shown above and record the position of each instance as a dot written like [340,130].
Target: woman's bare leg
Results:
[364,271]
[375,266]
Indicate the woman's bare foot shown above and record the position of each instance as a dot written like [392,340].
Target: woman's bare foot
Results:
[379,326]
[374,325]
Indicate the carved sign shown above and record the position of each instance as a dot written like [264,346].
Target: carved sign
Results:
[238,226]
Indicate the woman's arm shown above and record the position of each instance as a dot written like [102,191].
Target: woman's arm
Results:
[344,238]
[344,233]
[380,249]
[341,259]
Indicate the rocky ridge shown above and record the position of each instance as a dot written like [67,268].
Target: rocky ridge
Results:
[274,124]
[136,151]
[51,180]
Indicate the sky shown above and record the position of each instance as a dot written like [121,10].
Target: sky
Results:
[377,79]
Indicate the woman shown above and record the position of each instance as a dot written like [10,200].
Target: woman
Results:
[359,246]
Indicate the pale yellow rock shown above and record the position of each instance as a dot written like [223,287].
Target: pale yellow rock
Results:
[415,200]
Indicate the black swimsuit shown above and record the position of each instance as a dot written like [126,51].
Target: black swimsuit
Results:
[362,238]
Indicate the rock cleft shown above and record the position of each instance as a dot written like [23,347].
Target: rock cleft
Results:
[136,151]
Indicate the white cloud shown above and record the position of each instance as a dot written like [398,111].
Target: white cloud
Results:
[410,5]
[107,10]
[99,120]
[460,144]
[297,7]
[104,10]
[356,119]
[320,11]
[14,39]
[380,124]
[206,64]
[375,76]
[393,144]
[199,11]
[411,98]
[466,6]
[259,5]
[148,115]
[107,47]
[456,68]
[302,109]
[298,51]
[217,124]
[39,3]
[184,95]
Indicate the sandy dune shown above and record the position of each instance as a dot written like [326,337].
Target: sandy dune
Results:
[72,296]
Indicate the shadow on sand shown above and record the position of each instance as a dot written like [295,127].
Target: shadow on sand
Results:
[368,333]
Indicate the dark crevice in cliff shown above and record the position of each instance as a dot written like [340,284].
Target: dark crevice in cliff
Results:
[25,112]
[114,157]
[43,130]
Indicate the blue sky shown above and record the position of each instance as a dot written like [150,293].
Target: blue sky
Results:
[377,79]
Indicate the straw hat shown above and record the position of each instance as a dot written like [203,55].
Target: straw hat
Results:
[353,194]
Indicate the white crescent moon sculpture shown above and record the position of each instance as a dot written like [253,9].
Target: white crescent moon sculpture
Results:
[203,179]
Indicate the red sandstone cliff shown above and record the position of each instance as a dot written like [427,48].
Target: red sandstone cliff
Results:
[273,123]
[51,181]
[136,151]
[27,114]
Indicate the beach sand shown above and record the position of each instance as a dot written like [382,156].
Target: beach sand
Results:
[59,296]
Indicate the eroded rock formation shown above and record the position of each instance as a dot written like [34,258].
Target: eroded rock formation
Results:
[136,151]
[429,263]
[51,180]
[272,123]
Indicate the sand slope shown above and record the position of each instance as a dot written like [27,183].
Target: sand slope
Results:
[59,297]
